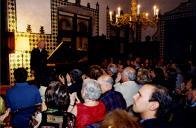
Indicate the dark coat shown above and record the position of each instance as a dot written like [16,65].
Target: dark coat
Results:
[154,123]
[38,63]
[38,59]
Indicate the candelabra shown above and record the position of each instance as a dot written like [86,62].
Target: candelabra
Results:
[135,20]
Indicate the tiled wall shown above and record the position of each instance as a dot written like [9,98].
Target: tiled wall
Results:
[22,59]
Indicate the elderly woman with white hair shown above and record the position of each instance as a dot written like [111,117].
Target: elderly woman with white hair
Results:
[91,110]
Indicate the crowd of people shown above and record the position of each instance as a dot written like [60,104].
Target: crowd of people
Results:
[136,93]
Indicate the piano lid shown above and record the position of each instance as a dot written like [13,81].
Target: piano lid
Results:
[61,55]
[65,54]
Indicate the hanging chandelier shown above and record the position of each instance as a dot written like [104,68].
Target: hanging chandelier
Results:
[119,19]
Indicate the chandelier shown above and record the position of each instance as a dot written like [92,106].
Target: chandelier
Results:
[136,17]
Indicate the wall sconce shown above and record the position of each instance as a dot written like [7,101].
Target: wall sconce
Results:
[22,46]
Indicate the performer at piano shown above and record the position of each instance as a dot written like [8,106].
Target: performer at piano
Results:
[38,63]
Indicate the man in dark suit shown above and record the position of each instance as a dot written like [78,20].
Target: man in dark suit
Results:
[38,63]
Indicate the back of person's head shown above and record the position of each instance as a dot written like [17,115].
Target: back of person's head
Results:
[56,96]
[62,97]
[49,94]
[130,73]
[119,119]
[76,75]
[20,75]
[91,89]
[112,69]
[159,73]
[94,72]
[107,79]
[142,76]
[162,96]
[105,82]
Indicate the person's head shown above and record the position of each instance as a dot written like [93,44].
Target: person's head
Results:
[189,81]
[20,75]
[128,74]
[94,72]
[152,101]
[191,94]
[158,72]
[76,75]
[120,68]
[41,44]
[142,76]
[90,90]
[191,97]
[56,96]
[119,119]
[62,98]
[112,69]
[105,82]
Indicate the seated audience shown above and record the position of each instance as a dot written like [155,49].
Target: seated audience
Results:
[91,110]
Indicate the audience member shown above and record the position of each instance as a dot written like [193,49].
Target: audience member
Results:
[21,99]
[74,80]
[57,101]
[152,103]
[184,111]
[91,110]
[57,96]
[112,70]
[119,119]
[94,72]
[128,87]
[112,99]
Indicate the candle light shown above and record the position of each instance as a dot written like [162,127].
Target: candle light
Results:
[157,12]
[146,15]
[130,18]
[154,10]
[119,9]
[117,18]
[138,9]
[110,15]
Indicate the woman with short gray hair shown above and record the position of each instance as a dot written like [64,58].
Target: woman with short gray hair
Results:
[91,110]
[91,89]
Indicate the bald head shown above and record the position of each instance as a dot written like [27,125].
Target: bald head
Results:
[128,73]
[41,44]
[106,82]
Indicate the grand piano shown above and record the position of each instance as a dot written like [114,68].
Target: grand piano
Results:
[65,57]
